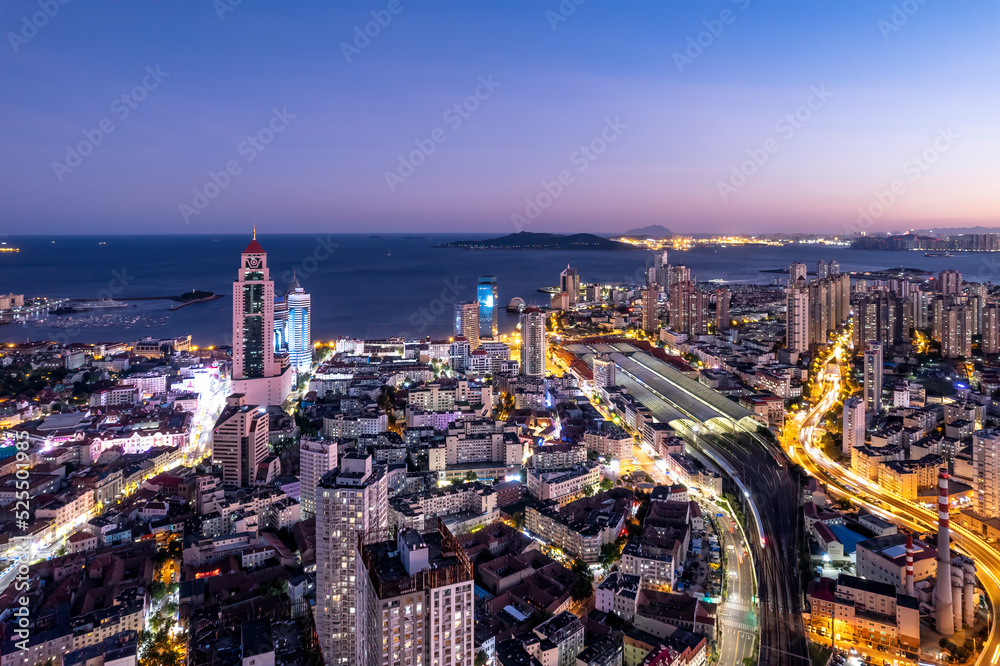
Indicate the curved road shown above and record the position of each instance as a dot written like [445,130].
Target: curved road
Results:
[892,507]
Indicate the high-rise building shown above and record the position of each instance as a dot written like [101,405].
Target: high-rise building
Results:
[467,322]
[604,371]
[486,295]
[822,270]
[873,378]
[240,441]
[352,501]
[298,325]
[688,308]
[949,282]
[569,282]
[533,342]
[722,298]
[258,372]
[316,458]
[853,424]
[878,316]
[795,271]
[416,600]
[833,268]
[986,472]
[650,295]
[797,316]
[991,328]
[677,274]
[662,267]
[956,331]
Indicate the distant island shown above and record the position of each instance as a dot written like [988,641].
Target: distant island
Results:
[652,231]
[525,240]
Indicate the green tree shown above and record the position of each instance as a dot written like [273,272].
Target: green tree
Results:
[481,658]
[607,484]
[471,476]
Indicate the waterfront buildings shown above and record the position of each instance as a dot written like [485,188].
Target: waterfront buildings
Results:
[298,335]
[467,322]
[569,283]
[688,308]
[797,271]
[263,376]
[486,296]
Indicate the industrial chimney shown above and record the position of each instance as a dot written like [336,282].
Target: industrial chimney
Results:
[970,588]
[943,607]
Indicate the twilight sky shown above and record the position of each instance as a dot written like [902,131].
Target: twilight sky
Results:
[786,117]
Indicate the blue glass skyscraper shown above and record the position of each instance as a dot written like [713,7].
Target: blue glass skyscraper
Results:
[486,295]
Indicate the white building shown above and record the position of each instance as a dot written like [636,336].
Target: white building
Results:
[533,342]
[415,602]
[986,472]
[298,324]
[350,499]
[316,458]
[853,424]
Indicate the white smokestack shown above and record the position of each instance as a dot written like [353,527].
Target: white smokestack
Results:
[943,607]
[970,590]
[956,591]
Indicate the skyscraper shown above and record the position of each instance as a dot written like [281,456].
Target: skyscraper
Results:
[949,282]
[797,316]
[822,270]
[722,321]
[650,295]
[688,308]
[240,441]
[415,600]
[873,378]
[795,271]
[298,325]
[467,322]
[956,331]
[351,499]
[257,372]
[486,295]
[569,282]
[533,342]
[986,472]
[991,328]
[853,424]
[316,458]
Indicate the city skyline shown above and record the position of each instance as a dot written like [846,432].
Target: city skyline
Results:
[674,98]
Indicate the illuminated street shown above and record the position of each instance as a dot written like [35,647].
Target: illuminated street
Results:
[881,503]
